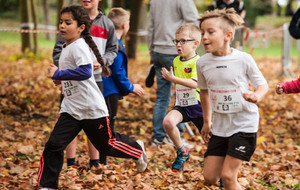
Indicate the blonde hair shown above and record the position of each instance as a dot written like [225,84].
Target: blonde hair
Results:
[229,16]
[118,16]
[191,30]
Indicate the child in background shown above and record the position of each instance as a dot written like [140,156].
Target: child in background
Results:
[117,84]
[187,103]
[223,78]
[288,87]
[83,106]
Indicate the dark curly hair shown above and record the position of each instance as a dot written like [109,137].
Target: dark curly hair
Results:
[80,14]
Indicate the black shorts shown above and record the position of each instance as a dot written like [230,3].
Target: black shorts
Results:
[240,145]
[185,118]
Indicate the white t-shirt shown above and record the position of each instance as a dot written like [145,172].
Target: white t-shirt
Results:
[233,71]
[82,99]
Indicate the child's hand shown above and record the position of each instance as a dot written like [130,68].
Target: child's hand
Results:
[279,89]
[206,132]
[51,70]
[250,96]
[56,82]
[138,90]
[168,75]
[96,65]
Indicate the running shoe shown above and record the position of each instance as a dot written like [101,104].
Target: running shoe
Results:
[181,158]
[150,76]
[142,162]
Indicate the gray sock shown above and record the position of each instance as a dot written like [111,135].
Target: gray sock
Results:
[181,148]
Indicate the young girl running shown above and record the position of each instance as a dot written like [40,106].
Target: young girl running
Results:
[223,78]
[83,106]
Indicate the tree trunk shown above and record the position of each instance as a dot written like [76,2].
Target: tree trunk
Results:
[46,15]
[103,4]
[118,3]
[60,5]
[25,37]
[142,27]
[289,8]
[136,6]
[34,18]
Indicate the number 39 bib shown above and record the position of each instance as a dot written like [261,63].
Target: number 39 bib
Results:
[70,88]
[185,96]
[227,99]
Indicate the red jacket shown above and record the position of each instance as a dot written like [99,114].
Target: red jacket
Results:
[291,86]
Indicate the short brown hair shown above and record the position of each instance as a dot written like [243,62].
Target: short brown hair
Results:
[229,16]
[191,29]
[118,16]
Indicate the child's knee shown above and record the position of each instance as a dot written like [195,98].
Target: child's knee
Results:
[167,123]
[228,178]
[210,179]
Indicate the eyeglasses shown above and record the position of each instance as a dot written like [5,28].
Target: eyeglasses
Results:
[182,41]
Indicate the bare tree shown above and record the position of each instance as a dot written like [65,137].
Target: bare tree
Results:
[46,15]
[118,3]
[24,12]
[136,6]
[60,5]
[34,18]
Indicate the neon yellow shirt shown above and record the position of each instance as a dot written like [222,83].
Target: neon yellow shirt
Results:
[186,69]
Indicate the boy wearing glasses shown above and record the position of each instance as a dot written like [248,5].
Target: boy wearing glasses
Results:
[187,104]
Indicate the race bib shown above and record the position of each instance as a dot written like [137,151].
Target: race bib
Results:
[226,99]
[70,88]
[185,96]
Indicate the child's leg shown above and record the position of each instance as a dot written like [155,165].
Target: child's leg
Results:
[112,105]
[109,142]
[170,121]
[52,158]
[71,152]
[212,169]
[114,144]
[94,155]
[230,171]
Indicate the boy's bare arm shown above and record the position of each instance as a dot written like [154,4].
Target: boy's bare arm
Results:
[169,75]
[206,129]
[256,96]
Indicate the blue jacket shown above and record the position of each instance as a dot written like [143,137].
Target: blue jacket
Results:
[117,82]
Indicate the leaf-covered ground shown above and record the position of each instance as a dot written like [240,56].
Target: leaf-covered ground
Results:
[29,105]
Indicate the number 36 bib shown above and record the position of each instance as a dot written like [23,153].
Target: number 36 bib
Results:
[185,96]
[226,99]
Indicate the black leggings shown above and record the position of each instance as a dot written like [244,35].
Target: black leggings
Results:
[98,131]
[112,106]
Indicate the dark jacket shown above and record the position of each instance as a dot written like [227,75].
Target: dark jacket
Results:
[219,4]
[294,27]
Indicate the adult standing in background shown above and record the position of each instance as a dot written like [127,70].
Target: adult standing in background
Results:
[164,19]
[294,27]
[238,6]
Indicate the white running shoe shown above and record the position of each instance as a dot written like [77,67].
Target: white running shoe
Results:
[48,188]
[142,162]
[167,140]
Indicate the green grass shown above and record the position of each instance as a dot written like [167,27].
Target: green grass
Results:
[15,37]
[273,49]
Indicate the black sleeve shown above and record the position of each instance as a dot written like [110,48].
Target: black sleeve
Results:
[294,27]
[57,49]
